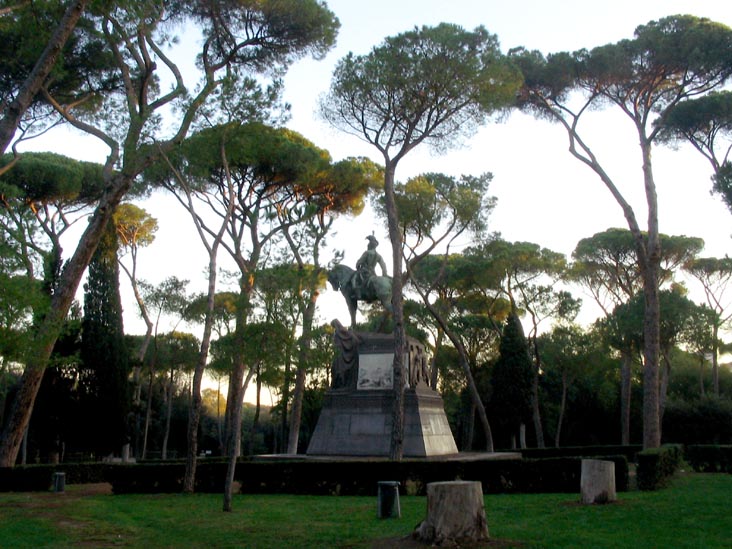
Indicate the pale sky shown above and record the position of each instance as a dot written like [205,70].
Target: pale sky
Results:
[544,195]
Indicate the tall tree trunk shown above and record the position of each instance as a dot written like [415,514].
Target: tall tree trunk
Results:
[219,426]
[148,412]
[300,376]
[562,407]
[14,111]
[298,394]
[50,328]
[285,399]
[649,260]
[434,373]
[395,237]
[168,414]
[663,390]
[469,430]
[194,412]
[715,359]
[137,368]
[701,375]
[522,436]
[535,410]
[626,360]
[235,443]
[257,411]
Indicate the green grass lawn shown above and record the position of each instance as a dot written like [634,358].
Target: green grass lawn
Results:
[693,512]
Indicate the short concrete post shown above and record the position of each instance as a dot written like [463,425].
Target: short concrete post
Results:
[455,513]
[387,500]
[59,482]
[598,481]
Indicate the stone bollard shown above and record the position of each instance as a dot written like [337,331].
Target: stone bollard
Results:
[59,482]
[598,481]
[387,500]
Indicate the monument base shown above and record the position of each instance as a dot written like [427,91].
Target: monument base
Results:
[359,423]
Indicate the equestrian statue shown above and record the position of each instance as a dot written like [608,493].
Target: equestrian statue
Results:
[363,284]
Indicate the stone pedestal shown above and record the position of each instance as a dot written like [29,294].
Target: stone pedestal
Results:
[356,419]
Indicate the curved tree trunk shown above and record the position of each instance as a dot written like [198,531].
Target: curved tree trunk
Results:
[14,111]
[194,413]
[626,360]
[50,327]
[465,365]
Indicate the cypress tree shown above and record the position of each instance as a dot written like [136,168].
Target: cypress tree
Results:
[511,380]
[105,361]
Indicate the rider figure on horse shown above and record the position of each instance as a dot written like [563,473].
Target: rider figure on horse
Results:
[366,267]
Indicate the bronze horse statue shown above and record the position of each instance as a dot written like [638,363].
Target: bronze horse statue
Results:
[377,288]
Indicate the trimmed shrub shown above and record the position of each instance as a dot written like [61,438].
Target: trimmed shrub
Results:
[593,452]
[145,478]
[316,477]
[361,477]
[656,466]
[35,478]
[81,473]
[709,458]
[26,478]
[165,477]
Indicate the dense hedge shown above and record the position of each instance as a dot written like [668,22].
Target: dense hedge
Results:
[361,477]
[709,458]
[34,478]
[629,451]
[166,477]
[26,478]
[656,467]
[311,476]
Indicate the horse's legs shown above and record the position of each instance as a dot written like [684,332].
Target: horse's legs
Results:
[385,299]
[352,309]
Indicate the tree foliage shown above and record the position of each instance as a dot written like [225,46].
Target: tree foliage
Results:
[104,353]
[706,123]
[430,85]
[668,61]
[121,103]
[511,379]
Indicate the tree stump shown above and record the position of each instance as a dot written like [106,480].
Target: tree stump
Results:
[455,512]
[598,481]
